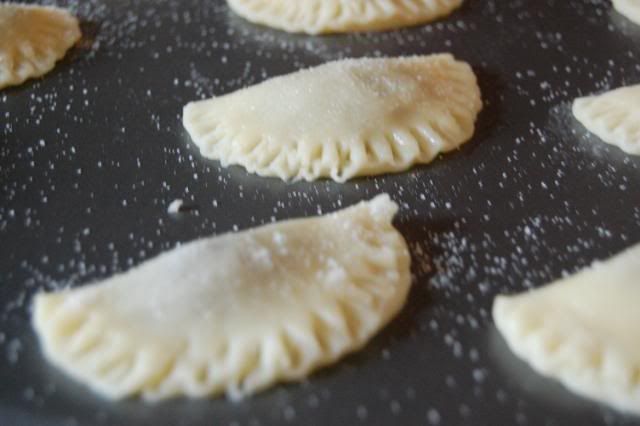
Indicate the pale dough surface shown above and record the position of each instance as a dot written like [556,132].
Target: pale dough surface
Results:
[338,16]
[629,8]
[342,119]
[583,330]
[235,313]
[32,39]
[613,116]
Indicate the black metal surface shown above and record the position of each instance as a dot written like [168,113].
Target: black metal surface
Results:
[91,156]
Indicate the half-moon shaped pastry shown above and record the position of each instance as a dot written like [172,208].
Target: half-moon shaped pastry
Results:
[341,16]
[342,119]
[236,313]
[613,116]
[32,39]
[582,330]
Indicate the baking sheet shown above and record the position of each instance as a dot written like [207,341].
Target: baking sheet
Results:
[91,156]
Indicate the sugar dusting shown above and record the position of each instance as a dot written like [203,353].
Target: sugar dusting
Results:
[92,153]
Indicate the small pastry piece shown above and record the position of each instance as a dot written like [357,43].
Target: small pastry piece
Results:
[342,119]
[583,330]
[613,116]
[32,39]
[341,16]
[235,313]
[175,206]
[629,8]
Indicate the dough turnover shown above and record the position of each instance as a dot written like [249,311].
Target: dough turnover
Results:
[333,16]
[234,313]
[613,116]
[583,330]
[629,8]
[32,39]
[341,119]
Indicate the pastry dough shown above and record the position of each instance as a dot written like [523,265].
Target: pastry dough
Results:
[32,39]
[583,330]
[613,116]
[341,119]
[234,313]
[629,8]
[333,16]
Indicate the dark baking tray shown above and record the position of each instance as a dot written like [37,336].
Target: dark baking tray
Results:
[531,197]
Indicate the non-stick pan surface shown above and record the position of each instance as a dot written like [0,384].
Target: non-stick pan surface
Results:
[92,154]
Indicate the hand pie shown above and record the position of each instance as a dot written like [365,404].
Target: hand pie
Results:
[235,313]
[342,119]
[341,16]
[32,39]
[613,116]
[583,330]
[629,8]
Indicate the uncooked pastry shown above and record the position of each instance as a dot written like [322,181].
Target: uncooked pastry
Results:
[342,119]
[32,39]
[613,116]
[333,16]
[583,330]
[234,313]
[629,8]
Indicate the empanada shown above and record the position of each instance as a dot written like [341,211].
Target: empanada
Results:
[342,119]
[629,8]
[583,330]
[613,116]
[339,16]
[234,313]
[32,39]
